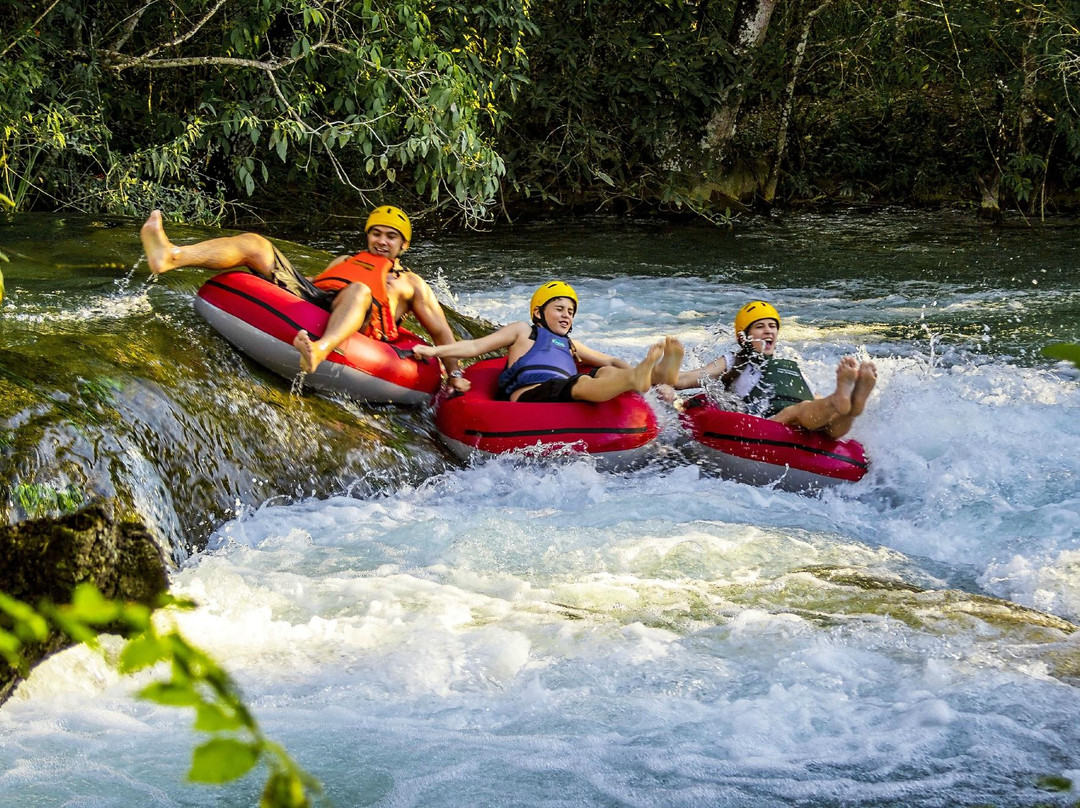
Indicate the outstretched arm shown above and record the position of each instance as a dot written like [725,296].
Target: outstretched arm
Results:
[468,348]
[426,307]
[694,378]
[596,358]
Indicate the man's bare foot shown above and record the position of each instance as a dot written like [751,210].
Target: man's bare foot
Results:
[642,374]
[847,372]
[864,385]
[311,353]
[160,252]
[667,369]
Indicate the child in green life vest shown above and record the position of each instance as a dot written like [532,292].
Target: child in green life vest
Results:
[775,388]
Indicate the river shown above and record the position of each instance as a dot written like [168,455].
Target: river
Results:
[418,632]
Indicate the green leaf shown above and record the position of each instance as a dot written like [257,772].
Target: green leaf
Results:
[9,643]
[137,616]
[1063,350]
[29,625]
[284,790]
[142,652]
[222,760]
[90,606]
[212,718]
[171,694]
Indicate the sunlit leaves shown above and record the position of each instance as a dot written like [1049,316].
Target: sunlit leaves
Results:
[142,652]
[222,760]
[314,87]
[27,626]
[215,718]
[284,790]
[193,680]
[171,694]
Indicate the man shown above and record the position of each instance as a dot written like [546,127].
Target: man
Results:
[358,295]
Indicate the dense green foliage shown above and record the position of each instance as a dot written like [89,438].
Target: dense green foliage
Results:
[129,105]
[194,105]
[236,743]
[898,101]
[930,101]
[622,92]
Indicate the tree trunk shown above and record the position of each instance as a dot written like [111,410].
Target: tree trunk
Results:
[769,190]
[990,203]
[45,559]
[748,31]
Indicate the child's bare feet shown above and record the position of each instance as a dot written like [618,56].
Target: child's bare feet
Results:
[864,385]
[642,373]
[159,250]
[666,370]
[847,373]
[311,353]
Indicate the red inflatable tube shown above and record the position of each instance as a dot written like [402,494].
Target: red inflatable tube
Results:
[761,451]
[617,431]
[261,320]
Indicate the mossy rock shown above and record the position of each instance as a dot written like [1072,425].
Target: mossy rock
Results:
[45,559]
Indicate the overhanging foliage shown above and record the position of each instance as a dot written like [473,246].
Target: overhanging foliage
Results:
[193,103]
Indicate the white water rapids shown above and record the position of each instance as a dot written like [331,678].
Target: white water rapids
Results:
[546,634]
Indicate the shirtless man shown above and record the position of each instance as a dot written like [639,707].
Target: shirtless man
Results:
[350,303]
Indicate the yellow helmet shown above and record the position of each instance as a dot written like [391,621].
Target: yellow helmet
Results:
[389,216]
[550,291]
[752,312]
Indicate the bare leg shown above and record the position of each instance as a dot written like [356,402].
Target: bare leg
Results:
[610,381]
[245,250]
[821,413]
[350,309]
[666,370]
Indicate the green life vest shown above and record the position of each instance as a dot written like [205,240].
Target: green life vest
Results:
[781,385]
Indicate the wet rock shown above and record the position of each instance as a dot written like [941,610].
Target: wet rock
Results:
[45,559]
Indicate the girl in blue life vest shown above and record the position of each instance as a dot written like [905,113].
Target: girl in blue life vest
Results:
[541,363]
[775,388]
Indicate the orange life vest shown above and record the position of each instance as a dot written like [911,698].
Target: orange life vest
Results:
[370,270]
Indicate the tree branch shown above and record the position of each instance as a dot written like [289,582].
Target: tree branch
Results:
[29,28]
[185,37]
[126,62]
[129,27]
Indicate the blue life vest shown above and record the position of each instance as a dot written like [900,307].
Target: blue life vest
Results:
[550,357]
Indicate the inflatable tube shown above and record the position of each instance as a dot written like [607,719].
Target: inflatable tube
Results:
[759,451]
[618,432]
[261,320]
